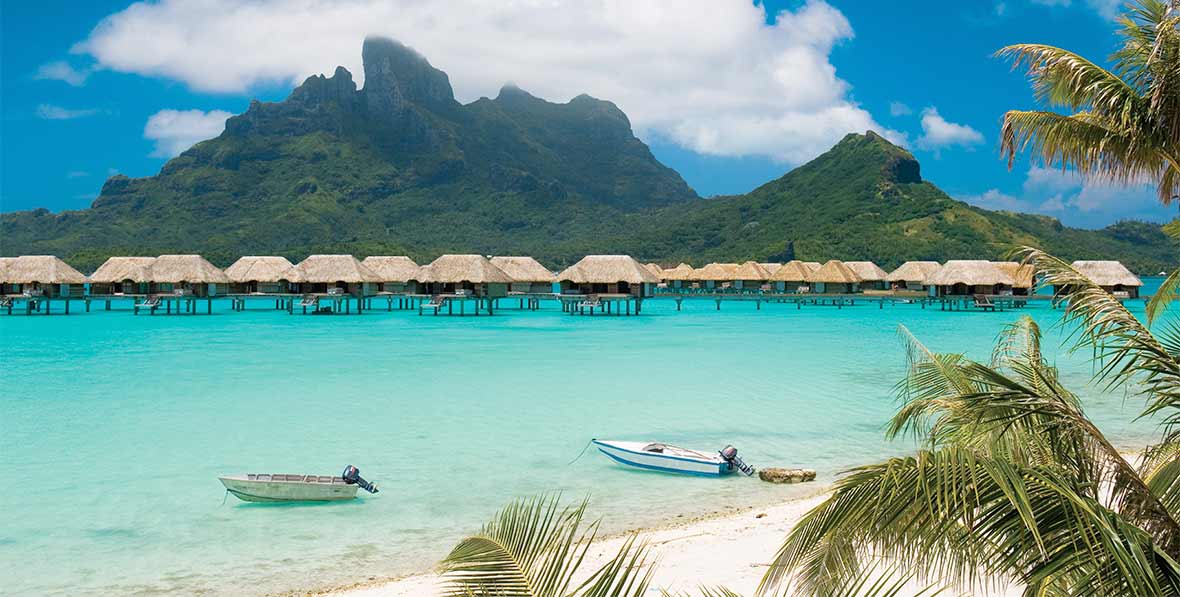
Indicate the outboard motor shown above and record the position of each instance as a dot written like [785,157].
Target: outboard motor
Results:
[352,476]
[729,453]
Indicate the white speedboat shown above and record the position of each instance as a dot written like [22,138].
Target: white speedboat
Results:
[655,456]
[270,487]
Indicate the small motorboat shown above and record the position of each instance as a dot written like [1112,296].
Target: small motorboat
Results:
[269,487]
[655,456]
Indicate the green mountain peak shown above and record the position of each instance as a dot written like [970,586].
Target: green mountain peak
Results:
[397,166]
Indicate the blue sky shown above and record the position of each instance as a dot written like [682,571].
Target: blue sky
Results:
[729,94]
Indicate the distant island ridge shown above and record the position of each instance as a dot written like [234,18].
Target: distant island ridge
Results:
[399,167]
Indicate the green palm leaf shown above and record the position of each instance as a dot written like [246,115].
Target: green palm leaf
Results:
[535,548]
[1127,122]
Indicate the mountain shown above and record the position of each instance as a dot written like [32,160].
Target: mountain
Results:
[400,167]
[865,199]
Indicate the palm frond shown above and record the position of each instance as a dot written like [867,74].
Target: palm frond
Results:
[535,548]
[962,519]
[1063,78]
[1126,351]
[1167,293]
[1127,128]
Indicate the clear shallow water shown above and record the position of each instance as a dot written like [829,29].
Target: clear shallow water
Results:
[114,427]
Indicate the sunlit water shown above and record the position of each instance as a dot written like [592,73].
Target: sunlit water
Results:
[115,427]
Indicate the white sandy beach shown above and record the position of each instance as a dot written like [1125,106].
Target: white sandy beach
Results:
[729,550]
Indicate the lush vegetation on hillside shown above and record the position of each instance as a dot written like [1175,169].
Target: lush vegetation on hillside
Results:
[400,167]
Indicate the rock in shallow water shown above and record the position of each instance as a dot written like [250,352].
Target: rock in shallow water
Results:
[786,475]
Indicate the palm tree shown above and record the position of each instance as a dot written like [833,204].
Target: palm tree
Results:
[1013,484]
[1126,121]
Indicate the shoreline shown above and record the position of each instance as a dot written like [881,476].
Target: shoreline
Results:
[735,548]
[734,545]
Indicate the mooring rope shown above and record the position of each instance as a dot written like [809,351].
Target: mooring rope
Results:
[581,453]
[225,497]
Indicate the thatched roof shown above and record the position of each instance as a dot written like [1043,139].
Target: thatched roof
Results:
[834,272]
[771,267]
[683,271]
[913,271]
[792,271]
[453,269]
[1107,273]
[812,265]
[523,269]
[117,269]
[329,269]
[607,269]
[655,269]
[43,269]
[867,271]
[254,268]
[715,271]
[969,272]
[4,261]
[1022,273]
[750,271]
[396,268]
[194,269]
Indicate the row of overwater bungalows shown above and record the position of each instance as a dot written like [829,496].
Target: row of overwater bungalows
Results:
[494,277]
[192,275]
[928,278]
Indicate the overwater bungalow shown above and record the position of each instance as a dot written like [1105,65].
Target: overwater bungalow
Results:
[607,275]
[872,277]
[262,275]
[834,277]
[527,274]
[812,265]
[792,278]
[968,277]
[750,277]
[189,275]
[398,274]
[41,275]
[336,274]
[1112,276]
[678,276]
[912,275]
[123,276]
[471,275]
[714,277]
[1023,276]
[655,269]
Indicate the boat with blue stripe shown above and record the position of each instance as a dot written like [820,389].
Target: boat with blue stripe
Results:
[665,458]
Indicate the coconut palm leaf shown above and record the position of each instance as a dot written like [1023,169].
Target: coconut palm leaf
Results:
[968,520]
[1127,122]
[535,548]
[1128,354]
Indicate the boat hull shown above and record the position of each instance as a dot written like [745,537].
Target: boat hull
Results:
[268,489]
[630,454]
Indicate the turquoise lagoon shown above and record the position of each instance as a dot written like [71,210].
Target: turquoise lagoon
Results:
[115,427]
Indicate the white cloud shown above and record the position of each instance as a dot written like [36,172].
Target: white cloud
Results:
[1075,200]
[938,132]
[710,75]
[60,70]
[899,109]
[177,130]
[52,112]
